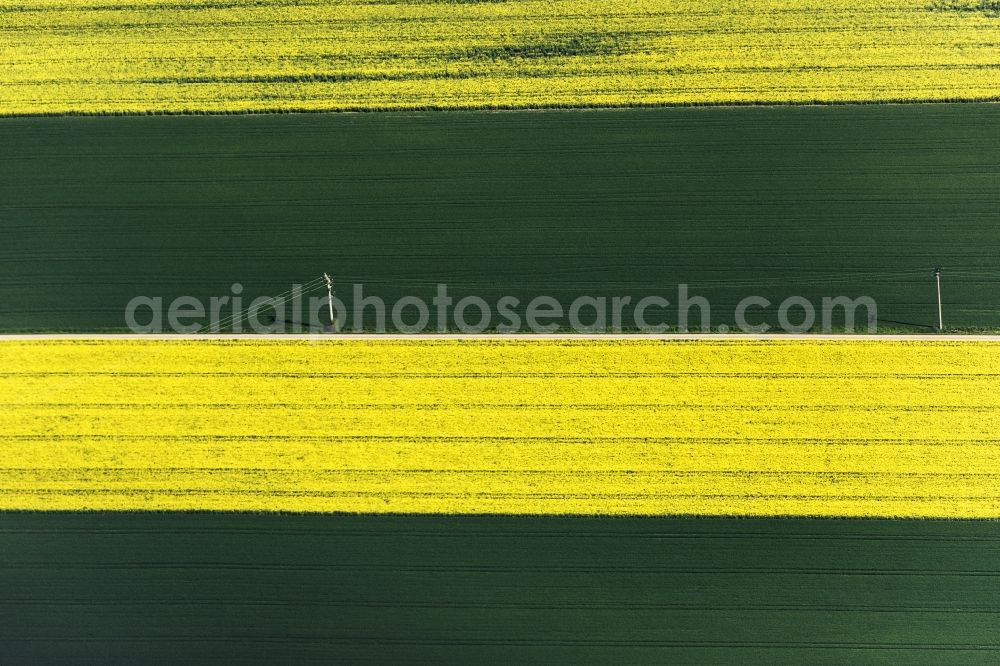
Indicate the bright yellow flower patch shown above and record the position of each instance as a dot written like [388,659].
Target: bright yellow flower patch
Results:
[95,56]
[852,428]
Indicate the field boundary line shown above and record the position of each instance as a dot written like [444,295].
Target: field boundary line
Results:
[346,337]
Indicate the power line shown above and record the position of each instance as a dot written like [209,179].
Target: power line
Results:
[234,319]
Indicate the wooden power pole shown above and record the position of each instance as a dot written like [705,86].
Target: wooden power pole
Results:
[937,277]
[329,295]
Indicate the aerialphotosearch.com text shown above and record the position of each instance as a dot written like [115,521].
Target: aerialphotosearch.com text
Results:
[295,311]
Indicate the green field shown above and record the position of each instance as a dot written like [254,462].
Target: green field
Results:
[168,588]
[734,202]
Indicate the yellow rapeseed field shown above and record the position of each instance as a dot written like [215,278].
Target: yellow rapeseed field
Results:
[845,428]
[98,56]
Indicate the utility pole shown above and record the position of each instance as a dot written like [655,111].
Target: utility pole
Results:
[329,293]
[937,277]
